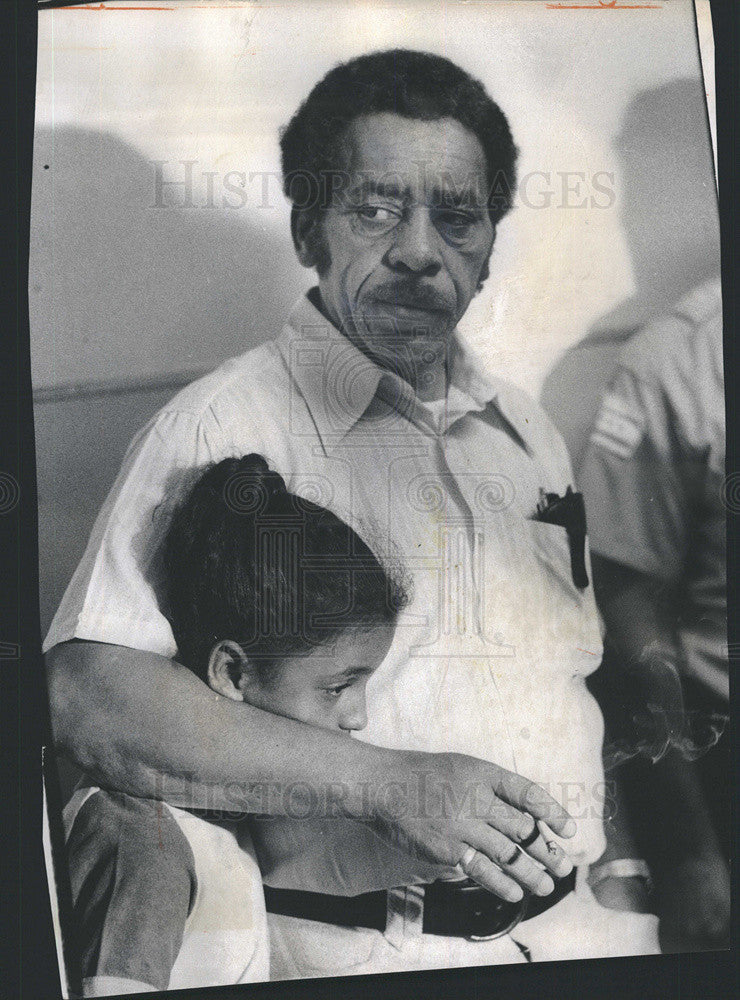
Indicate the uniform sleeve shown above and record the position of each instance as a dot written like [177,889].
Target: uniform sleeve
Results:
[115,593]
[634,479]
[132,875]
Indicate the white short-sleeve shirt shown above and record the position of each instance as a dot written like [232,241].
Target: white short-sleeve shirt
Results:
[491,656]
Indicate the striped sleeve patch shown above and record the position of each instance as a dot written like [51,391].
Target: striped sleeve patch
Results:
[618,429]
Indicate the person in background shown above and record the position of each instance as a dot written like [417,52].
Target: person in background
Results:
[653,475]
[668,212]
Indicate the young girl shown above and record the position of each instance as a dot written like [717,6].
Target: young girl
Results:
[273,601]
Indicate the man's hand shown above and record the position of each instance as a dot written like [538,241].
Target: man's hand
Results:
[694,905]
[460,812]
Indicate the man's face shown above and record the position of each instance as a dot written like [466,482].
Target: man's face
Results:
[409,237]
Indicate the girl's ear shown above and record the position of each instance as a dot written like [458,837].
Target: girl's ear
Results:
[227,668]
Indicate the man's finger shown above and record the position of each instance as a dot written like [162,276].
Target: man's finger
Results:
[547,851]
[511,822]
[532,798]
[507,856]
[482,870]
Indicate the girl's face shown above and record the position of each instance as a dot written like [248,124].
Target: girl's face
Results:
[326,688]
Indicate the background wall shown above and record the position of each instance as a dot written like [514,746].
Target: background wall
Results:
[136,288]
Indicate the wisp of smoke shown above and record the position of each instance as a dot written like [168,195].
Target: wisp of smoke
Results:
[660,721]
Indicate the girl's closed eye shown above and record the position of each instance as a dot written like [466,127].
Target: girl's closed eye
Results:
[336,689]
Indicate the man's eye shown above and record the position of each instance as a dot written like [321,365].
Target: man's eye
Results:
[377,216]
[456,222]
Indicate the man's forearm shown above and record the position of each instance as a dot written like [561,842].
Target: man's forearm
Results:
[147,726]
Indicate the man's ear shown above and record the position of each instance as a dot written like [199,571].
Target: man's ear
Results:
[304,230]
[485,272]
[227,666]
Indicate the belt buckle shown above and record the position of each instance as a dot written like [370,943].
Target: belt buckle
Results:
[517,912]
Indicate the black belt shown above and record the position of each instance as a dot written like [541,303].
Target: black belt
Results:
[451,909]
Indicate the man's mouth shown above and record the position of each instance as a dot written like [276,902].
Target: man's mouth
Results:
[409,305]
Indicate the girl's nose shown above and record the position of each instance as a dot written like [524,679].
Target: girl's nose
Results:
[354,715]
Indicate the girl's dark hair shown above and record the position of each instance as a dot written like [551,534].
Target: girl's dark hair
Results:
[405,82]
[246,560]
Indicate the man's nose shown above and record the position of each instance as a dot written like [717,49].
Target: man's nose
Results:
[354,714]
[416,244]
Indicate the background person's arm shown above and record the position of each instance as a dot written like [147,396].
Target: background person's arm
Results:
[679,841]
[141,723]
[644,468]
[619,893]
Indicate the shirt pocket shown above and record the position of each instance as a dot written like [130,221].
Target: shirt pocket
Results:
[570,612]
[550,547]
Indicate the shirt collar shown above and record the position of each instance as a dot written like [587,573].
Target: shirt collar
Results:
[337,382]
[333,377]
[467,392]
[488,392]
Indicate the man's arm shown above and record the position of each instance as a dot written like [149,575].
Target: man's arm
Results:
[146,725]
[141,723]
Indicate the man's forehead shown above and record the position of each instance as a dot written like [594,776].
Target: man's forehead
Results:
[401,157]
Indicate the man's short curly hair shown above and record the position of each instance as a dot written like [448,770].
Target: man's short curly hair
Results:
[411,84]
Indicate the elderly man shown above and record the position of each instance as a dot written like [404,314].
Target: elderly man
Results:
[399,167]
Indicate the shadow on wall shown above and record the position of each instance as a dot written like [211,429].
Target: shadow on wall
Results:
[123,298]
[121,287]
[670,218]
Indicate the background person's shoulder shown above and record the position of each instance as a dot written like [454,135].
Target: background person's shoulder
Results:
[680,343]
[702,304]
